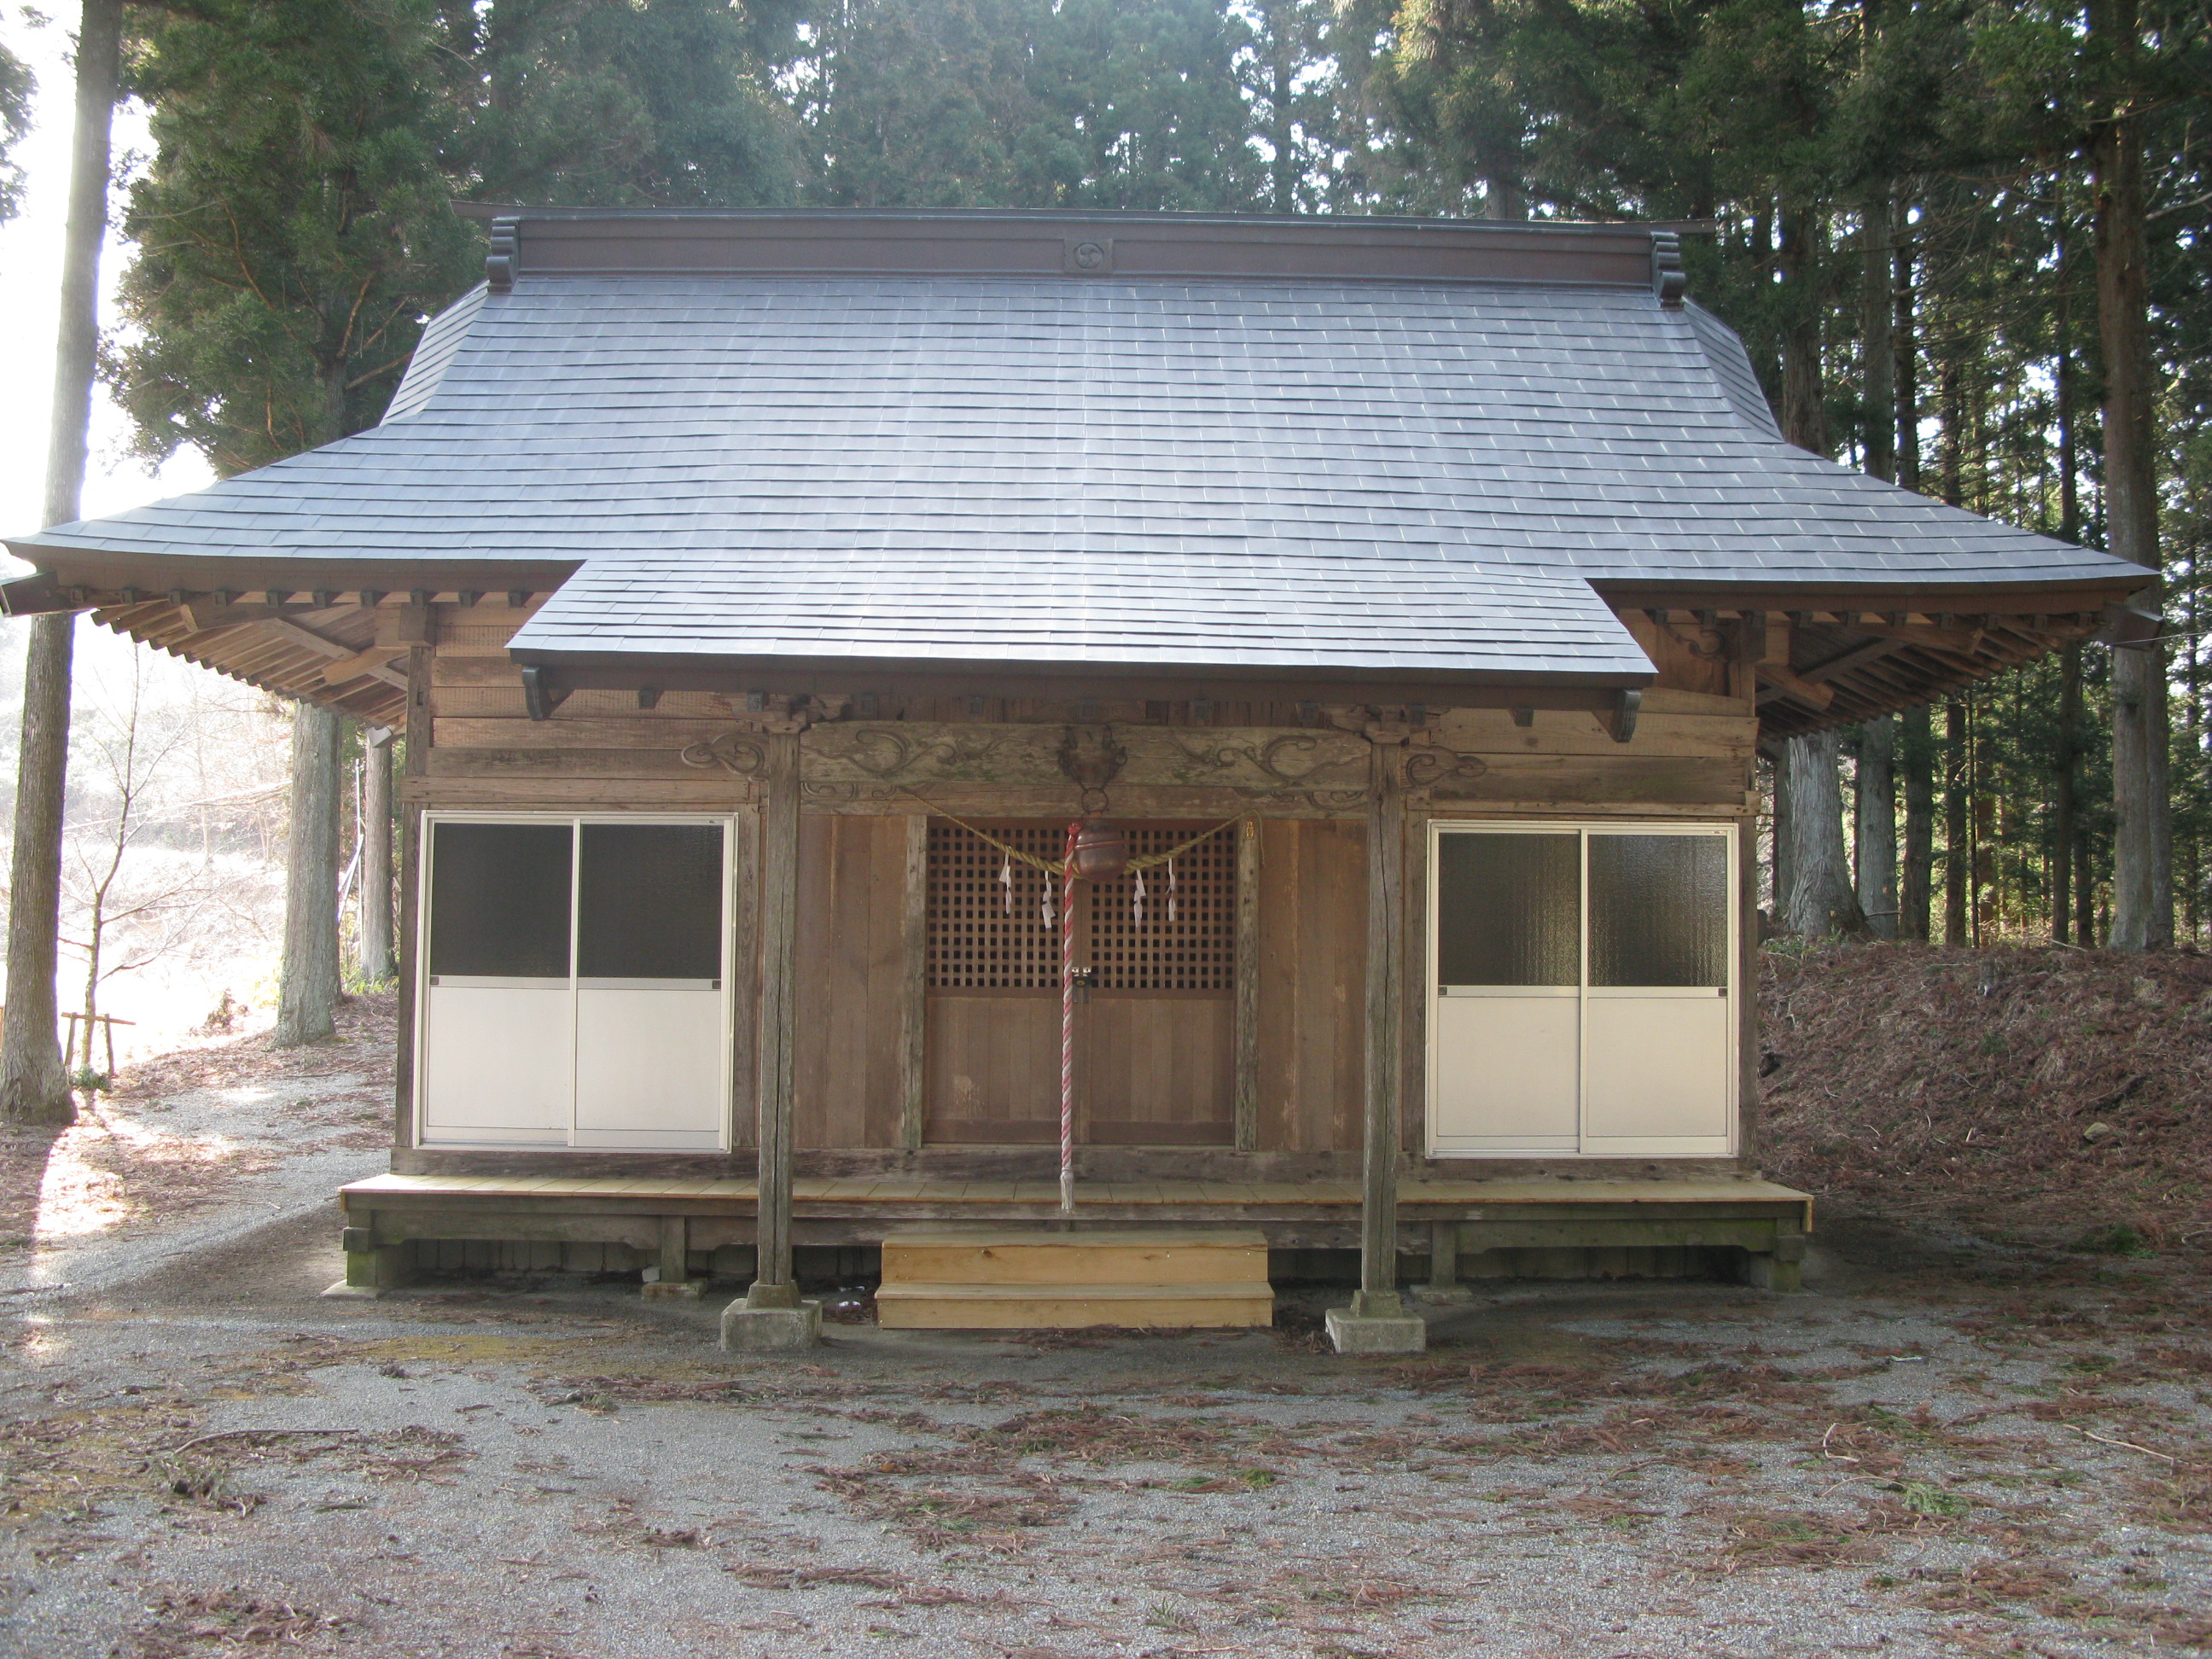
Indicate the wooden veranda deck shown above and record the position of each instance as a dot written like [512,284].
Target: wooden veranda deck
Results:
[674,1222]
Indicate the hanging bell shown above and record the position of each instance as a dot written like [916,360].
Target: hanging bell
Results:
[1102,850]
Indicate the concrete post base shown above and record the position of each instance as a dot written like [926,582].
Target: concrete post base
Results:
[661,1291]
[343,1292]
[771,1330]
[1352,1332]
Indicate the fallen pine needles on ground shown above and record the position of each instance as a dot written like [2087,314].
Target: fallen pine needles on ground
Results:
[2053,1095]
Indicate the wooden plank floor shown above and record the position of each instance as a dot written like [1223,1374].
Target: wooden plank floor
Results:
[818,1197]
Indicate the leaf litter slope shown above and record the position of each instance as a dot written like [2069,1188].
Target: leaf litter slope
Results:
[2045,1094]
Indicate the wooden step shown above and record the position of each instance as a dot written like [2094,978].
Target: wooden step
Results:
[1033,1256]
[934,1306]
[1035,1280]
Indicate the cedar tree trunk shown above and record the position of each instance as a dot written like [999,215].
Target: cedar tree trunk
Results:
[1821,902]
[2065,803]
[307,988]
[1958,834]
[1874,818]
[2142,839]
[1916,759]
[376,959]
[1877,344]
[34,1081]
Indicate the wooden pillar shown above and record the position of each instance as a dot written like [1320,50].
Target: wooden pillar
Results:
[1386,889]
[418,632]
[1443,1257]
[674,1256]
[1747,994]
[914,998]
[1248,986]
[774,1286]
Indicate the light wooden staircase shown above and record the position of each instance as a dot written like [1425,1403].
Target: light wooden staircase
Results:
[1039,1280]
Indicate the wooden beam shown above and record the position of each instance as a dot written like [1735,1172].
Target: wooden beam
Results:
[204,615]
[1783,683]
[375,664]
[1961,640]
[774,1286]
[291,633]
[1247,1084]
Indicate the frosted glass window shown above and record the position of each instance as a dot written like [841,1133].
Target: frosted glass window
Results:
[499,900]
[1507,910]
[649,902]
[1658,908]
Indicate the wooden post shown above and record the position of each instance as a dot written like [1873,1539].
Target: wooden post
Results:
[1378,1296]
[675,1252]
[914,1001]
[774,1286]
[744,968]
[1248,986]
[418,630]
[410,970]
[1443,1257]
[1746,994]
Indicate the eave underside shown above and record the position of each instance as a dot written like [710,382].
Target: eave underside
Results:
[1841,664]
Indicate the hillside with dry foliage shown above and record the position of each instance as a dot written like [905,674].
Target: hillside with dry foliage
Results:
[2049,1095]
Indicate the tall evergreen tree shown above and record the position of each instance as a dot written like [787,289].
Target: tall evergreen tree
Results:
[33,1082]
[295,233]
[293,229]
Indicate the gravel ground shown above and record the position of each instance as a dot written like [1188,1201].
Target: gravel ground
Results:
[1938,1449]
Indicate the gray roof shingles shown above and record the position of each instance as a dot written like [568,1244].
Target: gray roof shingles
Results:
[1286,473]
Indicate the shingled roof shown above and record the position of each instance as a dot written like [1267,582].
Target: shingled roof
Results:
[1397,448]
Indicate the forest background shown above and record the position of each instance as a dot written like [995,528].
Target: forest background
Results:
[1902,205]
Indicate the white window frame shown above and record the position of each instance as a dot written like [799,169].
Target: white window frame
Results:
[1616,1147]
[597,1140]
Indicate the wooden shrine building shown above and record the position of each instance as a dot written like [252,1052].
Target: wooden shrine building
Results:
[763,594]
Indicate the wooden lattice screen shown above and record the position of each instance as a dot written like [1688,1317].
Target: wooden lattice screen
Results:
[1197,951]
[975,943]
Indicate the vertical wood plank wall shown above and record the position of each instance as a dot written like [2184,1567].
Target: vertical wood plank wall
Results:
[850,1007]
[1313,985]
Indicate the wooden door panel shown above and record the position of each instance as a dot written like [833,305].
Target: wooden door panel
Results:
[1158,1071]
[993,1071]
[850,1026]
[1313,985]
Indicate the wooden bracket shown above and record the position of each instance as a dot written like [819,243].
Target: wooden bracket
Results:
[540,696]
[1783,683]
[1627,706]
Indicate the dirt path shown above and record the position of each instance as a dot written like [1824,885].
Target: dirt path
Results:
[1945,1447]
[194,1148]
[1918,1457]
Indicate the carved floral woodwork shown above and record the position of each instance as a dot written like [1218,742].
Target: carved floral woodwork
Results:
[1324,769]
